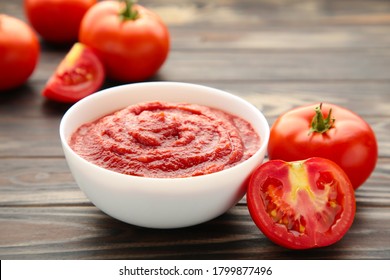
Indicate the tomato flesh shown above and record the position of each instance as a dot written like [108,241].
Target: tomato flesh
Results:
[302,204]
[80,74]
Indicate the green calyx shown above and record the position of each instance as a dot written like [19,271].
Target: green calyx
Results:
[319,123]
[129,13]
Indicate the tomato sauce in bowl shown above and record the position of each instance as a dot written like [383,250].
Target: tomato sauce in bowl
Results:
[189,124]
[166,140]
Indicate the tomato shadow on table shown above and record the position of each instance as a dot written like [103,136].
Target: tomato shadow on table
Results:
[50,46]
[108,83]
[12,95]
[53,108]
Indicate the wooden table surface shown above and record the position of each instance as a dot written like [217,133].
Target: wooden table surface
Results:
[276,54]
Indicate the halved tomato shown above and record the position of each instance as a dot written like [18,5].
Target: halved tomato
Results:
[301,204]
[79,74]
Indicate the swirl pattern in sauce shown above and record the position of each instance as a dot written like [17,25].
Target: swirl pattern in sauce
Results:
[166,140]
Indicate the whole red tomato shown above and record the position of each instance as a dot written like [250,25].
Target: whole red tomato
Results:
[57,21]
[132,41]
[327,131]
[302,204]
[19,52]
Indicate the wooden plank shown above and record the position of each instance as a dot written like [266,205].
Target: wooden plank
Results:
[34,137]
[48,182]
[367,98]
[283,66]
[39,182]
[277,39]
[276,12]
[260,65]
[276,54]
[77,233]
[272,13]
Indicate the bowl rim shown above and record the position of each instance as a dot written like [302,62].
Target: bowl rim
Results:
[102,93]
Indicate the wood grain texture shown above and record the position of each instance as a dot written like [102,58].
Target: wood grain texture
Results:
[86,233]
[276,54]
[47,182]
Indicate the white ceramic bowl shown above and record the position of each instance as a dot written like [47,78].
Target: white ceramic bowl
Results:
[161,202]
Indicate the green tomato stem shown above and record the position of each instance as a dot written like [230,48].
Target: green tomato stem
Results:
[128,12]
[319,123]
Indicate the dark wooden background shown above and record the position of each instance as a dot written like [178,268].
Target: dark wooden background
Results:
[277,54]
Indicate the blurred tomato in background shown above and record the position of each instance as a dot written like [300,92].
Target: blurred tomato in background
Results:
[19,52]
[132,41]
[57,21]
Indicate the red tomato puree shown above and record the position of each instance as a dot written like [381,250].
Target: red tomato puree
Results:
[158,139]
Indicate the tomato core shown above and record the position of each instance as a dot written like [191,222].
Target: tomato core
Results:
[289,207]
[79,75]
[281,212]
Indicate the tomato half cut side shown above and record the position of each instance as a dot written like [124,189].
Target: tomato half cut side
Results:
[301,204]
[79,74]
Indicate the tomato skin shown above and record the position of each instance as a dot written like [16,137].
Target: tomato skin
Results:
[132,50]
[350,142]
[57,21]
[303,204]
[19,52]
[79,74]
